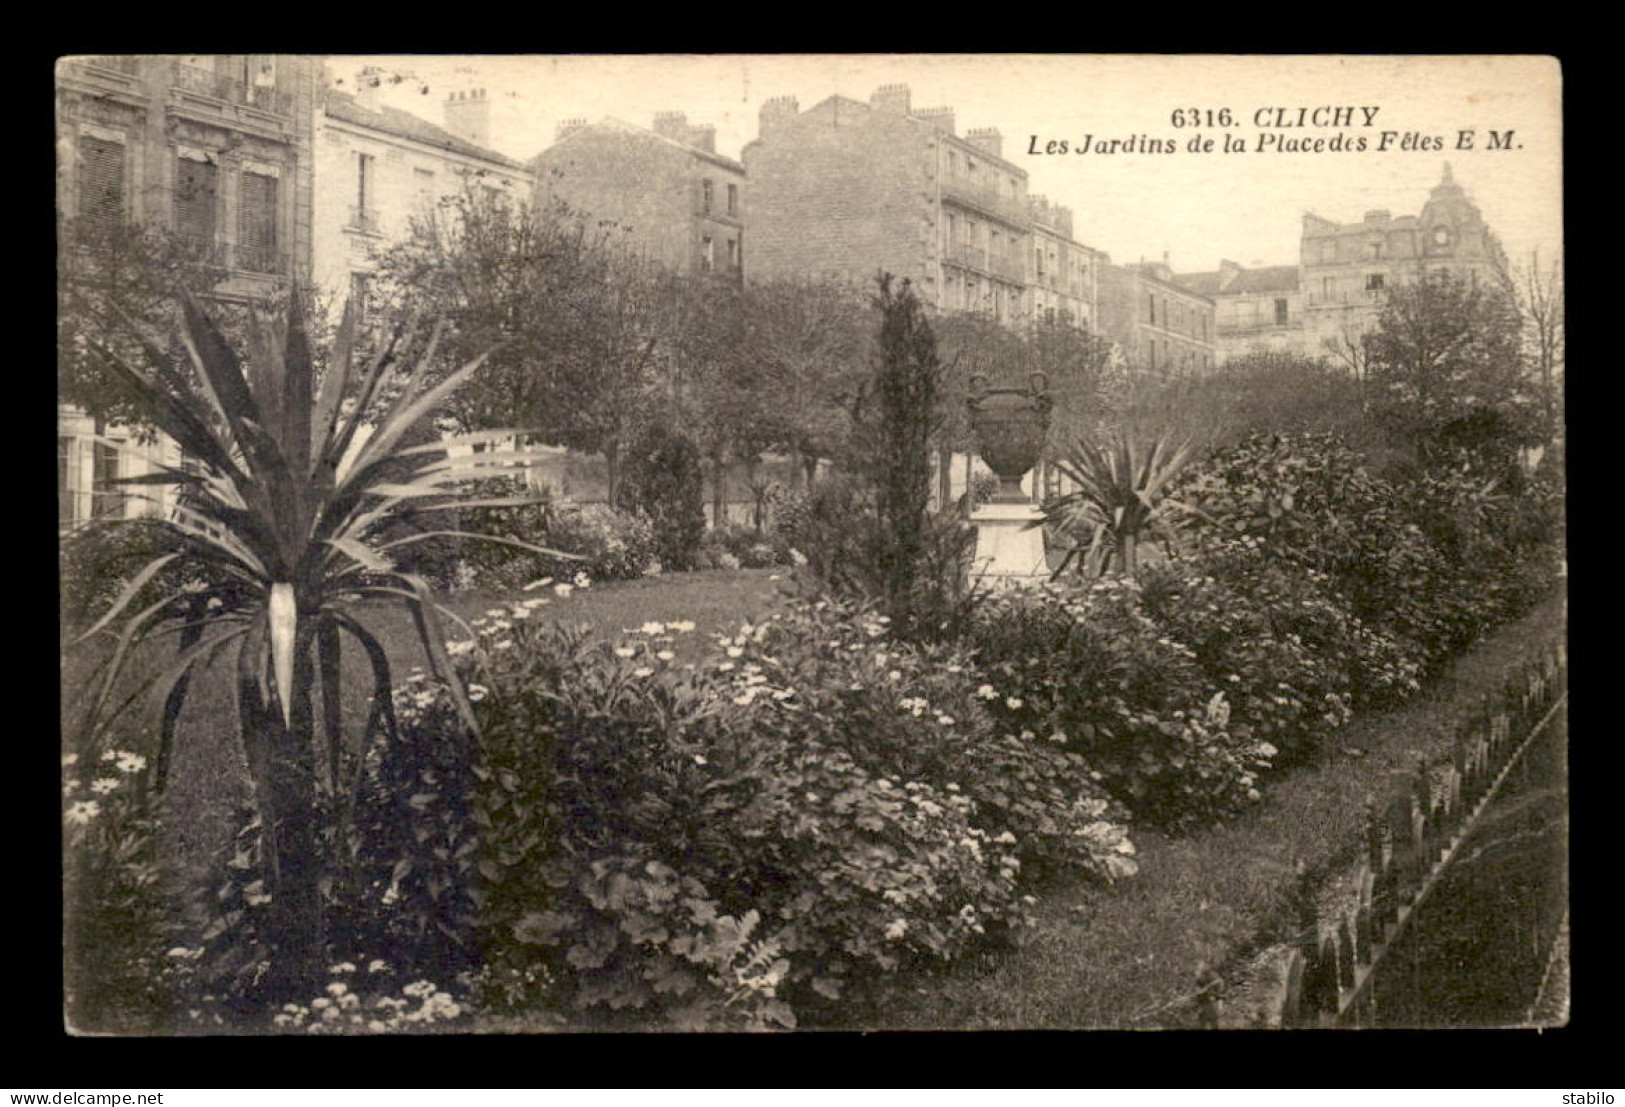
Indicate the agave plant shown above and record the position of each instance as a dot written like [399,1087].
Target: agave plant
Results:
[1120,499]
[294,482]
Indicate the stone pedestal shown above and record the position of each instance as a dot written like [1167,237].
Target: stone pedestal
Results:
[1008,548]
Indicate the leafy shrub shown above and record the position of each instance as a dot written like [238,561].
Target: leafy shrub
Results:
[807,811]
[1088,667]
[664,481]
[608,544]
[97,562]
[746,547]
[839,532]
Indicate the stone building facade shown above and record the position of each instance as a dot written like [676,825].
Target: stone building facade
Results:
[1156,323]
[378,168]
[217,150]
[1254,309]
[668,192]
[846,189]
[1348,267]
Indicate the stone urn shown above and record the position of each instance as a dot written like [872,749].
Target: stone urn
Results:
[1010,425]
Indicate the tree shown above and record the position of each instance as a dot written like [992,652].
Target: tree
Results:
[282,521]
[899,416]
[1446,371]
[1541,299]
[117,285]
[577,322]
[809,339]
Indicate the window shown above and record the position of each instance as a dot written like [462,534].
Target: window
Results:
[423,185]
[1328,287]
[1373,282]
[101,184]
[733,199]
[953,230]
[196,190]
[1373,249]
[708,253]
[1150,308]
[1280,312]
[256,224]
[953,164]
[733,254]
[707,193]
[67,473]
[1038,259]
[361,295]
[364,217]
[106,498]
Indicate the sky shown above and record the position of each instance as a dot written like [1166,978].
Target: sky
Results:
[1197,208]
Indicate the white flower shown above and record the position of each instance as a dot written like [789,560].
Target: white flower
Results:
[562,591]
[104,785]
[652,628]
[945,720]
[665,655]
[699,759]
[642,671]
[1013,702]
[582,580]
[457,649]
[477,692]
[377,965]
[986,692]
[894,675]
[70,760]
[682,626]
[896,929]
[342,967]
[625,651]
[337,988]
[131,763]
[735,651]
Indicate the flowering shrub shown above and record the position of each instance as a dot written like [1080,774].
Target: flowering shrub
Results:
[371,1001]
[1088,667]
[744,546]
[115,926]
[810,809]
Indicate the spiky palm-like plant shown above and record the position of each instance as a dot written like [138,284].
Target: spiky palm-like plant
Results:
[1120,499]
[293,485]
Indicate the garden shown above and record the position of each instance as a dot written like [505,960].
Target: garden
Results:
[375,736]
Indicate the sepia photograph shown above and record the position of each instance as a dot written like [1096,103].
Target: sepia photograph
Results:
[646,543]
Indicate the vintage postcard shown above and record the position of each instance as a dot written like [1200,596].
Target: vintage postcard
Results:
[782,542]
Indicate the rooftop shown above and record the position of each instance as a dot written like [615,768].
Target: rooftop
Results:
[1272,278]
[401,124]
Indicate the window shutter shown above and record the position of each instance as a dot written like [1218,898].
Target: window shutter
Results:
[101,183]
[256,225]
[195,191]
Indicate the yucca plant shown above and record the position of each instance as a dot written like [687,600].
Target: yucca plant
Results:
[1120,499]
[294,481]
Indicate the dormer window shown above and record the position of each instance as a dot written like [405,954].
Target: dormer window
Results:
[1441,236]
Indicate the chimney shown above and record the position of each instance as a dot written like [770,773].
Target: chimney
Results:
[468,116]
[367,83]
[1379,216]
[941,119]
[774,112]
[1063,220]
[568,127]
[703,138]
[986,139]
[890,98]
[672,125]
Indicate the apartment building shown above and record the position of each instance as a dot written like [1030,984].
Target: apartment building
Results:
[215,149]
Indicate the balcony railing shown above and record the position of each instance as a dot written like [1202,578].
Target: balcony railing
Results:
[974,256]
[259,259]
[207,82]
[365,220]
[1008,268]
[118,63]
[989,200]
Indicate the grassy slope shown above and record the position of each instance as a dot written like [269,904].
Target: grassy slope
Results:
[1129,956]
